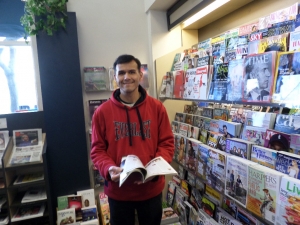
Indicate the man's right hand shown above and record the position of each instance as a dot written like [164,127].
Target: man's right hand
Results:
[114,173]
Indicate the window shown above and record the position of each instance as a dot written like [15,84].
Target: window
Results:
[19,79]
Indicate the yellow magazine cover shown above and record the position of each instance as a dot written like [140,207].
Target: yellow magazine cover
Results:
[274,43]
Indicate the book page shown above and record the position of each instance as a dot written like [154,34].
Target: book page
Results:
[159,166]
[131,164]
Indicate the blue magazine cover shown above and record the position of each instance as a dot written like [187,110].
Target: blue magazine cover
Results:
[237,148]
[288,163]
[289,124]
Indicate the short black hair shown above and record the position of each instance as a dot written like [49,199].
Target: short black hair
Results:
[126,59]
[224,126]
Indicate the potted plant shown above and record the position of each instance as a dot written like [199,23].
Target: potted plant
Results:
[44,15]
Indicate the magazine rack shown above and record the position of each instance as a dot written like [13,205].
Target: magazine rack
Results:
[15,192]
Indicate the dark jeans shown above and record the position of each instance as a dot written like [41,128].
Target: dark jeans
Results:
[149,212]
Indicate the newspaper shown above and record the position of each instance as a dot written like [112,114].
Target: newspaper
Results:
[28,146]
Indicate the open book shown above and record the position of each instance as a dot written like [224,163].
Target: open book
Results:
[157,166]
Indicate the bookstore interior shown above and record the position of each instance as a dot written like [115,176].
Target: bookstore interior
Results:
[236,136]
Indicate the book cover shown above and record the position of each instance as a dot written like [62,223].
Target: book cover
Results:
[89,213]
[289,124]
[74,201]
[218,86]
[157,166]
[288,164]
[235,80]
[264,156]
[62,202]
[259,73]
[277,140]
[30,211]
[202,156]
[287,79]
[87,197]
[237,179]
[263,189]
[256,135]
[287,206]
[95,79]
[93,105]
[215,169]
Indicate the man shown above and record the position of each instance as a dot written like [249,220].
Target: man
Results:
[261,73]
[131,122]
[225,132]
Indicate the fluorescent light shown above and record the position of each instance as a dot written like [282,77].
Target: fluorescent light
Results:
[203,12]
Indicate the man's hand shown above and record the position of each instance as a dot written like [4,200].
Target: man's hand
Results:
[114,173]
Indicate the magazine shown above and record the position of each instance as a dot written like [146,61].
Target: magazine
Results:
[33,195]
[4,137]
[157,166]
[25,178]
[28,212]
[96,79]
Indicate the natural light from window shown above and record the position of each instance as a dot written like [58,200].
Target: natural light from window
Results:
[18,91]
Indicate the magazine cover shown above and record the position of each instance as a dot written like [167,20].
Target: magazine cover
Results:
[248,28]
[237,179]
[287,207]
[205,61]
[229,130]
[287,80]
[295,143]
[30,137]
[218,48]
[191,151]
[179,153]
[204,48]
[214,126]
[245,217]
[277,140]
[289,124]
[288,163]
[4,138]
[180,117]
[235,80]
[202,158]
[256,135]
[253,47]
[288,13]
[96,79]
[220,114]
[264,22]
[263,189]
[93,105]
[264,156]
[238,148]
[184,129]
[260,119]
[238,115]
[258,77]
[242,47]
[294,43]
[207,112]
[179,80]
[215,169]
[218,86]
[175,126]
[281,28]
[195,86]
[213,139]
[221,145]
[274,43]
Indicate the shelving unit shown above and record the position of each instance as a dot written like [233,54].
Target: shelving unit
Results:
[15,192]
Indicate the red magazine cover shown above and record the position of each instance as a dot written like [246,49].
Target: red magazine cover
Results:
[179,79]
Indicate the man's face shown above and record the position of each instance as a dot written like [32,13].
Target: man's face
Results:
[225,130]
[263,74]
[128,77]
[25,137]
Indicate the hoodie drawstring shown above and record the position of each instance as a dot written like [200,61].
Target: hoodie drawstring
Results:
[141,123]
[129,128]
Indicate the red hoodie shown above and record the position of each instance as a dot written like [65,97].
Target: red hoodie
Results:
[111,141]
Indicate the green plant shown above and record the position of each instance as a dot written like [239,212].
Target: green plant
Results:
[44,15]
